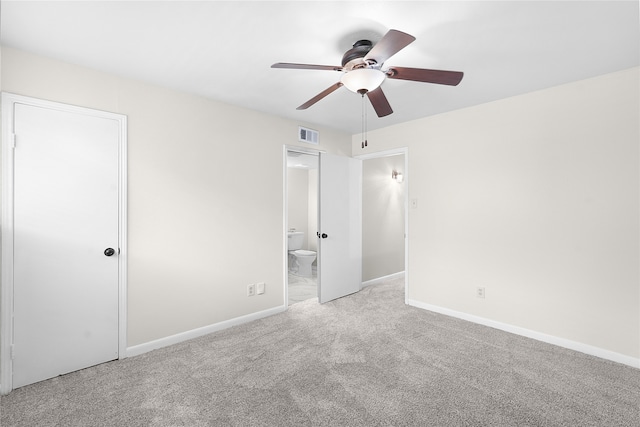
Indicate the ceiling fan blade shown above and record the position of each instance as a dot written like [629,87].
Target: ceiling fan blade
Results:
[379,102]
[441,77]
[389,45]
[319,96]
[306,66]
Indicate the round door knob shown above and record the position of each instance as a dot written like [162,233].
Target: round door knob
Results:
[324,235]
[109,251]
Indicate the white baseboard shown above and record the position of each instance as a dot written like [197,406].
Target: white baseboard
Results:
[195,333]
[550,339]
[383,278]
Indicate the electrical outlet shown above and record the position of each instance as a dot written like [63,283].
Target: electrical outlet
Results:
[251,290]
[480,292]
[260,288]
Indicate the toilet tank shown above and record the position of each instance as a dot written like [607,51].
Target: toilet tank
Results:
[296,239]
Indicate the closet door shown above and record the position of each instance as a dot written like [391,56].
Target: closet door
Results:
[66,252]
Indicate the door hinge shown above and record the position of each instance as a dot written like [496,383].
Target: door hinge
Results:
[11,352]
[13,140]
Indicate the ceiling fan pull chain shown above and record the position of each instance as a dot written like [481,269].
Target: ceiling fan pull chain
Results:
[364,109]
[362,124]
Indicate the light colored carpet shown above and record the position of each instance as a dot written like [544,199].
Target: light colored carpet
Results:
[363,360]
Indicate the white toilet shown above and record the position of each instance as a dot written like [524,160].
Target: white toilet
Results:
[300,260]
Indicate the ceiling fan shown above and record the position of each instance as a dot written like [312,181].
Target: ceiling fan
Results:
[363,73]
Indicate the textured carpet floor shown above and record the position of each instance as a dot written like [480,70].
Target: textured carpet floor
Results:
[363,360]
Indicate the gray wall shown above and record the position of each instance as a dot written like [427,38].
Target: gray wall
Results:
[382,218]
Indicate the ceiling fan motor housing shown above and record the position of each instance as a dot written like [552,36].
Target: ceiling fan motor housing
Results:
[353,58]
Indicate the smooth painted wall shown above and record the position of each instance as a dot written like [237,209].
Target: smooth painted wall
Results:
[205,197]
[302,202]
[298,202]
[535,198]
[382,217]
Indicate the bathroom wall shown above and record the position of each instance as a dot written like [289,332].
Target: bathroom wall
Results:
[536,199]
[382,218]
[302,185]
[297,201]
[194,210]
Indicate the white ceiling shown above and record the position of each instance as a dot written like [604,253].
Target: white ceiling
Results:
[224,50]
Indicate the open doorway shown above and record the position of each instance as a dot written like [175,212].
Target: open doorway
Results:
[328,250]
[385,217]
[302,223]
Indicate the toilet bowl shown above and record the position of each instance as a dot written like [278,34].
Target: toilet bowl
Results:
[300,260]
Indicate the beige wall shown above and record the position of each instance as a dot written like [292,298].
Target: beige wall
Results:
[535,198]
[298,201]
[204,194]
[302,202]
[382,218]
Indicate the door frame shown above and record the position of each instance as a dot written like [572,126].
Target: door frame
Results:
[7,225]
[405,173]
[285,210]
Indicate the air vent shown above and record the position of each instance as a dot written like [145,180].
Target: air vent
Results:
[308,135]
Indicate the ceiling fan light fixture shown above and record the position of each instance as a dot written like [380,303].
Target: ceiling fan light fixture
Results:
[363,79]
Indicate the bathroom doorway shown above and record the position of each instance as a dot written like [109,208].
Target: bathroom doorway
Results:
[301,224]
[327,258]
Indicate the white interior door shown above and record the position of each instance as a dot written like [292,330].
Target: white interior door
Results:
[65,287]
[340,227]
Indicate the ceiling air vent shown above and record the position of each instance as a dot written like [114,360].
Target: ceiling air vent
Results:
[308,135]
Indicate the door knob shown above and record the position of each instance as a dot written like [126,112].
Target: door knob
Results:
[109,251]
[324,235]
